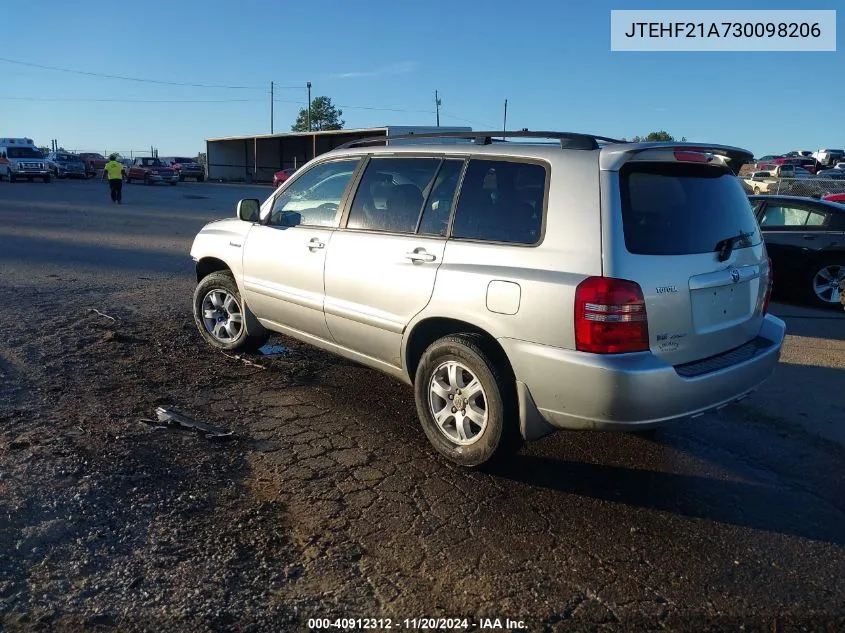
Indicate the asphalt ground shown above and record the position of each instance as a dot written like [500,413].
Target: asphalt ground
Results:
[327,502]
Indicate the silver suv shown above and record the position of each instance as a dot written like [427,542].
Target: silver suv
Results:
[520,287]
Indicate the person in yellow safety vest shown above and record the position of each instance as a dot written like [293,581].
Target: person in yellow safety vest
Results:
[115,170]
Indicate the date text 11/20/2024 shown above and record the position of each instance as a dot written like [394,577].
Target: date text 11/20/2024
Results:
[416,624]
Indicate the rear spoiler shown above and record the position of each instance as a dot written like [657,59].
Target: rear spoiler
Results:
[613,156]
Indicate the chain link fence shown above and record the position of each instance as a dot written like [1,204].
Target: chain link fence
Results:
[807,187]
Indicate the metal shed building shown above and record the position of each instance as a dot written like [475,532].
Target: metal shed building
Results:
[256,158]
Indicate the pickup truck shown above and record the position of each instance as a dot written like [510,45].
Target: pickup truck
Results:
[94,162]
[150,170]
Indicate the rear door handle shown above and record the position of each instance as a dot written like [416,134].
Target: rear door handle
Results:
[419,255]
[315,243]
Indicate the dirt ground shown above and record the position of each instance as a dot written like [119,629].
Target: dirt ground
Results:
[327,502]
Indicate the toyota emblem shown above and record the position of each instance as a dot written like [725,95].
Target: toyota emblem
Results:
[734,275]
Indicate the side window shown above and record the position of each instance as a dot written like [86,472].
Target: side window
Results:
[391,194]
[779,216]
[314,197]
[501,201]
[816,219]
[435,219]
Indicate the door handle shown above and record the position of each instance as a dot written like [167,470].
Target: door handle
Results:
[314,243]
[419,255]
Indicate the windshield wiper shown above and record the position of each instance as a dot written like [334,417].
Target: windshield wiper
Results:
[726,246]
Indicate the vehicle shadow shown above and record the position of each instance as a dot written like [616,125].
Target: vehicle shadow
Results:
[761,507]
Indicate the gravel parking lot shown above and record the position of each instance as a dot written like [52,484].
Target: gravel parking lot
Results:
[328,502]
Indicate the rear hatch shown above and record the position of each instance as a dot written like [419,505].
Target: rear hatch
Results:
[681,226]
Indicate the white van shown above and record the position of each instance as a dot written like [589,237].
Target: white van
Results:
[20,159]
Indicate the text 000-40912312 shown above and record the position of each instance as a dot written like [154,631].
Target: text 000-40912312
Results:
[727,30]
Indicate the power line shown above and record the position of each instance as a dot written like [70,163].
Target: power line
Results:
[138,79]
[92,100]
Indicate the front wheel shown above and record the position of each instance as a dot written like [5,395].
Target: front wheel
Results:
[824,281]
[466,401]
[220,316]
[200,178]
[47,179]
[147,181]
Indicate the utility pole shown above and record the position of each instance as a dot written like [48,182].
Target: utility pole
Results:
[437,106]
[271,107]
[309,106]
[505,124]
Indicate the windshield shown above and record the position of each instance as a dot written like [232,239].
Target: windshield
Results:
[22,152]
[681,209]
[185,160]
[152,162]
[68,158]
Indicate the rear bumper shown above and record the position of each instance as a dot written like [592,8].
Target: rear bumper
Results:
[576,390]
[159,178]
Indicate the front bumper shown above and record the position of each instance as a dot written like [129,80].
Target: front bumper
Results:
[29,173]
[577,390]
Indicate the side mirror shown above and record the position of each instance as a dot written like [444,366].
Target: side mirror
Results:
[249,210]
[290,218]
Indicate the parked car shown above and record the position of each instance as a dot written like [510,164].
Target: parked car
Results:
[185,167]
[65,165]
[829,157]
[835,197]
[809,164]
[20,159]
[836,172]
[281,176]
[519,287]
[151,170]
[805,239]
[768,158]
[761,182]
[94,162]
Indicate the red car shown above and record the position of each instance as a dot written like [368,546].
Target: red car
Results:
[807,163]
[280,176]
[835,197]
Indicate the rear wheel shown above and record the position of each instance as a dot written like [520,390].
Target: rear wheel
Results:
[220,316]
[147,180]
[823,282]
[200,178]
[47,178]
[11,178]
[466,402]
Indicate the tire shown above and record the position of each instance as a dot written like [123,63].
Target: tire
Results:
[822,282]
[11,178]
[173,184]
[147,181]
[228,302]
[47,179]
[181,178]
[200,178]
[473,443]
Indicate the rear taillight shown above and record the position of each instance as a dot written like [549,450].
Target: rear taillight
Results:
[770,282]
[610,316]
[688,156]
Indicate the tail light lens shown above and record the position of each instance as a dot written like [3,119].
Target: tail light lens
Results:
[610,316]
[770,283]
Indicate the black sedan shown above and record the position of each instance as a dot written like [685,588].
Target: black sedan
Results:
[805,239]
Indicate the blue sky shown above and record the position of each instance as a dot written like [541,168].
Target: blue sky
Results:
[551,59]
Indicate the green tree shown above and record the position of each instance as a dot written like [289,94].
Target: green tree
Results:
[324,116]
[662,135]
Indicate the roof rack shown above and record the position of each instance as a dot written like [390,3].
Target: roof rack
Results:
[568,140]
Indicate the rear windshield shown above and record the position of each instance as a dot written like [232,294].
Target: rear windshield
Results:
[680,209]
[185,160]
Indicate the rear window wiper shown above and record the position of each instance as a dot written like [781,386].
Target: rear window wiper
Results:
[726,246]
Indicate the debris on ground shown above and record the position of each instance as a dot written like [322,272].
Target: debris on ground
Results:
[273,350]
[243,360]
[102,314]
[176,418]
